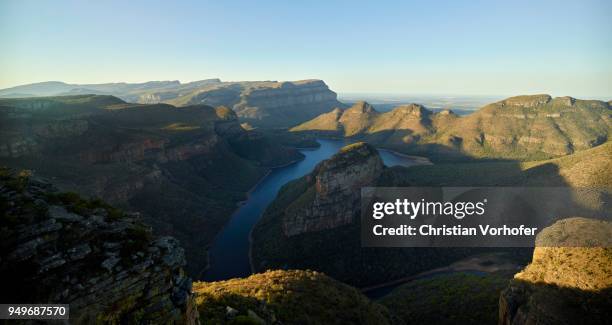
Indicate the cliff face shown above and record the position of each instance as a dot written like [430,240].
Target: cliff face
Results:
[261,103]
[268,103]
[569,280]
[522,127]
[286,103]
[183,168]
[59,248]
[332,199]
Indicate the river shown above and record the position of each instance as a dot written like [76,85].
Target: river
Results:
[229,253]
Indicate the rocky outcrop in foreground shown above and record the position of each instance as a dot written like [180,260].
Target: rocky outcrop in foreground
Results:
[336,190]
[569,280]
[285,297]
[59,248]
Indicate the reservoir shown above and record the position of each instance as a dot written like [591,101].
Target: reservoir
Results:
[229,253]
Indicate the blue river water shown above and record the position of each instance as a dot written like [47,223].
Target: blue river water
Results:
[229,253]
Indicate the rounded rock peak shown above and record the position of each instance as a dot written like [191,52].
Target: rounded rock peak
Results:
[413,109]
[576,232]
[350,155]
[572,253]
[446,111]
[362,107]
[353,167]
[361,148]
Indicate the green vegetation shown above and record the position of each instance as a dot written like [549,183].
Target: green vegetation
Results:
[290,139]
[347,261]
[181,127]
[289,297]
[354,147]
[15,181]
[27,209]
[75,203]
[520,128]
[588,168]
[138,239]
[184,168]
[356,265]
[573,253]
[459,298]
[569,279]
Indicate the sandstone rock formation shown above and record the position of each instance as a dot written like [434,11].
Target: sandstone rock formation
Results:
[261,103]
[59,248]
[521,127]
[335,192]
[286,103]
[569,280]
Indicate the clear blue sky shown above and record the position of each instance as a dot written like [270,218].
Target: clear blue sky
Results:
[412,47]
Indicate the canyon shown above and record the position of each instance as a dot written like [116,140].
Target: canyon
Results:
[296,229]
[181,171]
[184,169]
[110,268]
[259,103]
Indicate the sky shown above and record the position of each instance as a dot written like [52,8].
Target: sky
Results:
[401,47]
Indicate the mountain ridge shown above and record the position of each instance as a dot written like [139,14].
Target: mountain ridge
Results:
[522,127]
[261,103]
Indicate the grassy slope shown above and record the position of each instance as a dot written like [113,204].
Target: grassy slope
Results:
[523,127]
[458,298]
[290,297]
[591,167]
[574,253]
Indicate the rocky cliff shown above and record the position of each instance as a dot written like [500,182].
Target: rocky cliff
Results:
[285,103]
[336,190]
[569,280]
[261,103]
[314,224]
[59,248]
[522,127]
[183,168]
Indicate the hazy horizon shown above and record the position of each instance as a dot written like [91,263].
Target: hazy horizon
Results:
[372,96]
[444,47]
